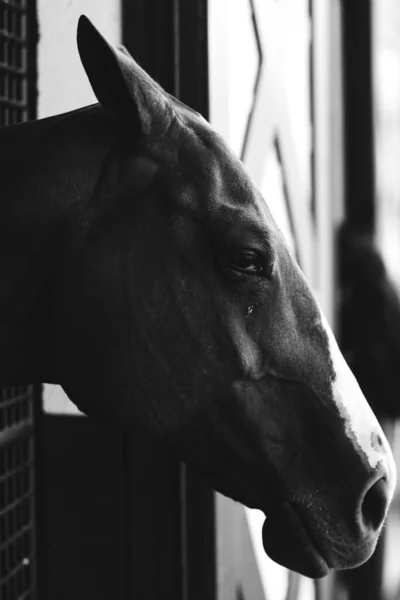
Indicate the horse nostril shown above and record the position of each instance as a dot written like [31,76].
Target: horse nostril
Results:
[374,505]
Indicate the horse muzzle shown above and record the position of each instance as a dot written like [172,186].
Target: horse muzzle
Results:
[309,536]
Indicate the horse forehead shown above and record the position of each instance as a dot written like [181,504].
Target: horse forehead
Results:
[213,172]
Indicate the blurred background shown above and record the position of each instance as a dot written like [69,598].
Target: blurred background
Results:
[307,93]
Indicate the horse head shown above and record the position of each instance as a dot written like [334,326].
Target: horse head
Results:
[185,313]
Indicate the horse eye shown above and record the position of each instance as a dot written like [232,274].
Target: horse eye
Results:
[248,261]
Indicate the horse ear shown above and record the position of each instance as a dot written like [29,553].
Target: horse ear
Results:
[121,86]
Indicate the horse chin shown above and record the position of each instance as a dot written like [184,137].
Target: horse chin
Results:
[287,542]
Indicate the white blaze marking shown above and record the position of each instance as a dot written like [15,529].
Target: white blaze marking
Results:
[361,423]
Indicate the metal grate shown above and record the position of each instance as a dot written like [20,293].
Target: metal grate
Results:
[13,61]
[17,524]
[17,549]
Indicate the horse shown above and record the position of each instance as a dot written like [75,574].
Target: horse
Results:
[142,270]
[369,295]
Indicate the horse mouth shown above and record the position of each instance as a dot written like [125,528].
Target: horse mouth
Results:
[288,542]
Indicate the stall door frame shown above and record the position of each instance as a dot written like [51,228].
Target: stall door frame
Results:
[169,40]
[18,403]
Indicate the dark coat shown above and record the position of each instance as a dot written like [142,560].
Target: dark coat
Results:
[369,321]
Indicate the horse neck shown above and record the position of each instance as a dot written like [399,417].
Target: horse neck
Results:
[49,171]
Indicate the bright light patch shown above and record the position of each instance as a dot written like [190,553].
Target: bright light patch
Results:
[361,424]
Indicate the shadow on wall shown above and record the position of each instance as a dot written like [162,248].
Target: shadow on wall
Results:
[239,593]
[369,321]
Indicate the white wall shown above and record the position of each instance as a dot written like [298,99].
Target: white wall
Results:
[63,86]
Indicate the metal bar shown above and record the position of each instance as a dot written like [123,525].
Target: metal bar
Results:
[15,7]
[13,573]
[12,37]
[359,154]
[13,70]
[18,471]
[12,103]
[15,432]
[25,529]
[13,401]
